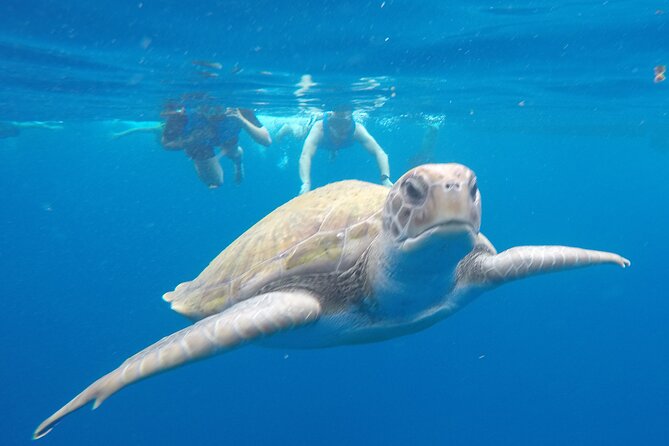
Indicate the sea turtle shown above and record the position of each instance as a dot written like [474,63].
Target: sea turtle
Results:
[350,262]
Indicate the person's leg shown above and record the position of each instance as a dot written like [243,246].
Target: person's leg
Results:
[209,171]
[236,156]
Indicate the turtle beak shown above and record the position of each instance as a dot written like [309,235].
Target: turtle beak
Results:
[446,232]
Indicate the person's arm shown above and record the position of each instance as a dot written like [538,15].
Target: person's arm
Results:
[308,150]
[153,129]
[171,144]
[369,143]
[258,133]
[177,143]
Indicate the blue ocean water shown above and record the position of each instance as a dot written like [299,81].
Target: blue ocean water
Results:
[553,105]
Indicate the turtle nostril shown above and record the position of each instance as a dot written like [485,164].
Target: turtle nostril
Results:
[452,185]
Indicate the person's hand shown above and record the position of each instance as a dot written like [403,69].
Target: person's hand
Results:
[176,111]
[53,125]
[233,113]
[305,188]
[386,182]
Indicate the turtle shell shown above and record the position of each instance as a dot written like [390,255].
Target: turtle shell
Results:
[323,231]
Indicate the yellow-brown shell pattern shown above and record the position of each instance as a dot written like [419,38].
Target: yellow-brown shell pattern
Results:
[324,231]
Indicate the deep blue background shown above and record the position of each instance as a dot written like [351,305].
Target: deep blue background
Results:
[93,231]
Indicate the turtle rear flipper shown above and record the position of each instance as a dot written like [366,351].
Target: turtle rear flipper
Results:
[245,321]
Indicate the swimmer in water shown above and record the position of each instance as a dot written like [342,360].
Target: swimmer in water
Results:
[659,73]
[338,130]
[294,128]
[12,129]
[200,131]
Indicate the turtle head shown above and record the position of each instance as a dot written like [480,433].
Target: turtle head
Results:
[431,220]
[432,201]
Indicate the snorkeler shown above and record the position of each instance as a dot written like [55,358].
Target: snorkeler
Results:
[200,131]
[336,131]
[294,128]
[12,129]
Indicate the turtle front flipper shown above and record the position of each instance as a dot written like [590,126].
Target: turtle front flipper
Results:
[524,261]
[248,320]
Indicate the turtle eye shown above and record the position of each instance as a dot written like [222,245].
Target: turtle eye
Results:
[415,190]
[473,190]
